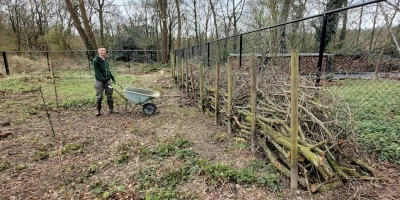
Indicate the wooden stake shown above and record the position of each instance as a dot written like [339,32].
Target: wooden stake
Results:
[201,86]
[173,66]
[230,96]
[294,171]
[253,102]
[192,81]
[183,72]
[216,92]
[186,76]
[177,73]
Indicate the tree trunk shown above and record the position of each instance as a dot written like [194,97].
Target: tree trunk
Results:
[216,27]
[164,30]
[236,17]
[287,5]
[359,26]
[14,16]
[373,30]
[273,7]
[78,26]
[170,26]
[389,27]
[86,24]
[101,21]
[206,26]
[234,27]
[343,31]
[178,37]
[333,20]
[195,22]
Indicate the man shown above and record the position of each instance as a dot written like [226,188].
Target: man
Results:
[103,77]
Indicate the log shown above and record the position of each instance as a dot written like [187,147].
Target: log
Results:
[326,186]
[367,167]
[285,171]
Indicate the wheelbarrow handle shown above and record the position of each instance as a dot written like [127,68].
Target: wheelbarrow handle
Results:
[119,85]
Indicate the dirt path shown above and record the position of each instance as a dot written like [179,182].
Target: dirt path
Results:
[93,145]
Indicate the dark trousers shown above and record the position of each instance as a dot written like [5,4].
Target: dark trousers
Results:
[99,87]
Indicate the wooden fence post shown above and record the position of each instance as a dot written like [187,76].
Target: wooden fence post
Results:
[186,76]
[201,86]
[253,101]
[230,96]
[173,66]
[216,92]
[192,81]
[177,73]
[183,72]
[294,65]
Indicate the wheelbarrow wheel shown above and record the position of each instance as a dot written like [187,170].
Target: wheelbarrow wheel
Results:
[149,108]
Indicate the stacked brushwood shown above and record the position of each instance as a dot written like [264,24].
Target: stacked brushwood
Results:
[328,149]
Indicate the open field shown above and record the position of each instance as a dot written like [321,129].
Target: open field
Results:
[177,153]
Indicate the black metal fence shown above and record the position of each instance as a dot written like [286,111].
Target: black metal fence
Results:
[351,51]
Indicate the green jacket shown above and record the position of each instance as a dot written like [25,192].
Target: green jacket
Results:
[102,70]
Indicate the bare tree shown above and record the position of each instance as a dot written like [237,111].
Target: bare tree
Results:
[236,15]
[206,26]
[273,9]
[343,31]
[373,29]
[178,37]
[14,13]
[359,24]
[196,24]
[164,29]
[86,24]
[284,14]
[99,6]
[88,43]
[212,6]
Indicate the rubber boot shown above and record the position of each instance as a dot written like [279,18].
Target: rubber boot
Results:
[98,108]
[111,106]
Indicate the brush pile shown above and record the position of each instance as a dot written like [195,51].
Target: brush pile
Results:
[327,146]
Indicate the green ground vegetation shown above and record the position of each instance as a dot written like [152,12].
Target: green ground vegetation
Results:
[376,110]
[159,181]
[75,88]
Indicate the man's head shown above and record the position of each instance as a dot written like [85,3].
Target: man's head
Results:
[102,52]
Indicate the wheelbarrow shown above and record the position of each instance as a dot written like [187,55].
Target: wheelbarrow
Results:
[140,97]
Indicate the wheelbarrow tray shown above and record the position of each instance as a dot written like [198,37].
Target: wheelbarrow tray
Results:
[139,95]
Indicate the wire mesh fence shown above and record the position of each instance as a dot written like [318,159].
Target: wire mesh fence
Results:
[349,61]
[67,77]
[16,62]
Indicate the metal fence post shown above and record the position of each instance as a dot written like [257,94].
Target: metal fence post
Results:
[240,50]
[321,48]
[48,62]
[6,63]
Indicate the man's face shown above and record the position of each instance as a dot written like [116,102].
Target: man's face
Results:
[102,52]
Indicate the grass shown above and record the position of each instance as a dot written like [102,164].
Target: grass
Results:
[376,111]
[74,88]
[106,189]
[160,181]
